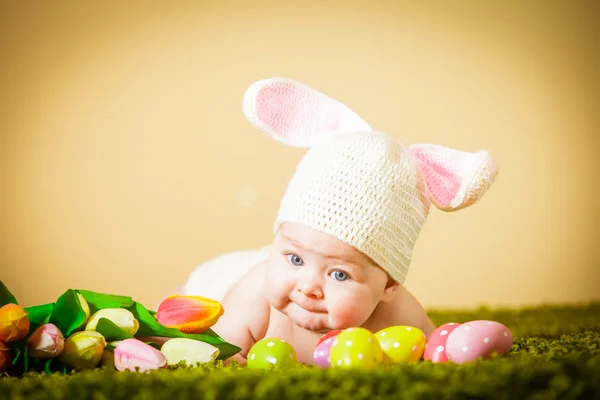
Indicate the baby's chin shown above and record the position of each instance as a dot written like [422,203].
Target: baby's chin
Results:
[317,328]
[314,322]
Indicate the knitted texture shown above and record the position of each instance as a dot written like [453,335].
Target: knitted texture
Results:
[360,186]
[455,179]
[296,114]
[364,189]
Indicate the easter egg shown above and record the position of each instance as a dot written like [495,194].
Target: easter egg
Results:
[328,335]
[269,352]
[435,349]
[355,348]
[478,339]
[321,354]
[401,343]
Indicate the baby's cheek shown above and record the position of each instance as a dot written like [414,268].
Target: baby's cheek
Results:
[277,289]
[347,313]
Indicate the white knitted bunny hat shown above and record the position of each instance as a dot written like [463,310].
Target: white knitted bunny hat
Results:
[360,186]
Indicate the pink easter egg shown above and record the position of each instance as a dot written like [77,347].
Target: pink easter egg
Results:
[435,349]
[329,334]
[321,354]
[475,339]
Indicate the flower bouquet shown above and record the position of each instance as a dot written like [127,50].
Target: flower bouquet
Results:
[85,330]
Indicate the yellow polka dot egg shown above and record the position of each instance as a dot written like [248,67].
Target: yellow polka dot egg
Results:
[355,348]
[270,352]
[401,344]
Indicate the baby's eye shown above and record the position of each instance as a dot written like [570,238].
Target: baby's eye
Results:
[339,275]
[295,260]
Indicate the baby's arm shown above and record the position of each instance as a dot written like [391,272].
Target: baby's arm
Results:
[403,309]
[246,314]
[411,311]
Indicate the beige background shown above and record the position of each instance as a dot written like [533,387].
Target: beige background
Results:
[125,159]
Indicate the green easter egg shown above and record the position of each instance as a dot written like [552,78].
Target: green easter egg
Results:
[269,352]
[355,348]
[401,343]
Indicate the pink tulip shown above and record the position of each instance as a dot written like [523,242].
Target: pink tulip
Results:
[5,356]
[14,323]
[46,342]
[132,353]
[189,314]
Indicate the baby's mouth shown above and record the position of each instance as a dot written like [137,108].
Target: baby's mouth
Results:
[309,306]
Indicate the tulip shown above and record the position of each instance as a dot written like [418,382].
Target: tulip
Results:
[46,342]
[132,353]
[189,350]
[121,317]
[86,309]
[83,350]
[14,323]
[6,357]
[108,357]
[189,314]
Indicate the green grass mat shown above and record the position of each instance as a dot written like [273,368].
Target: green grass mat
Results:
[555,355]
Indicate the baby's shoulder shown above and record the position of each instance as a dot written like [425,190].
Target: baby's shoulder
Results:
[250,285]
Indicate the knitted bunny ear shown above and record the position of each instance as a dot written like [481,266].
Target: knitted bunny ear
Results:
[455,179]
[296,114]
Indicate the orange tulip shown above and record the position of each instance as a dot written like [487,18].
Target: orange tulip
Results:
[189,314]
[14,323]
[5,357]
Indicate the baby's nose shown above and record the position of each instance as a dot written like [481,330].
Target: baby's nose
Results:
[310,290]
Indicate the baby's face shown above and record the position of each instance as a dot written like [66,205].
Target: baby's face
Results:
[320,282]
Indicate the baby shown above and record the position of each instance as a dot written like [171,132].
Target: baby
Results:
[345,229]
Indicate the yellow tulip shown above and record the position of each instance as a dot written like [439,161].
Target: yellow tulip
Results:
[108,356]
[83,350]
[86,309]
[121,317]
[14,323]
[107,359]
[189,314]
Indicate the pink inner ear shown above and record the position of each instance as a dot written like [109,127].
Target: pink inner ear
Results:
[442,182]
[293,114]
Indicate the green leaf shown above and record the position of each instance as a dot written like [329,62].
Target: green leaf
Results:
[25,359]
[6,296]
[17,350]
[98,301]
[38,316]
[21,355]
[155,345]
[47,366]
[149,326]
[111,331]
[67,314]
